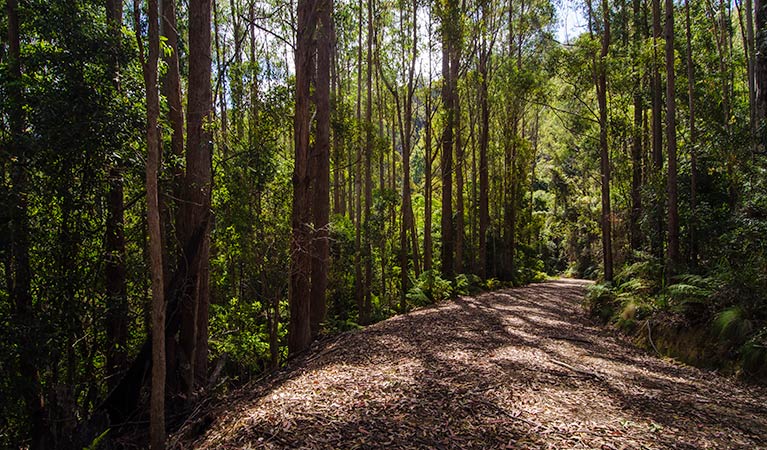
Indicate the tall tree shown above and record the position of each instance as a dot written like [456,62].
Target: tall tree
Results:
[149,64]
[428,162]
[320,163]
[115,271]
[455,71]
[449,18]
[673,208]
[21,278]
[604,154]
[486,50]
[657,132]
[367,244]
[760,64]
[636,144]
[299,332]
[693,139]
[194,211]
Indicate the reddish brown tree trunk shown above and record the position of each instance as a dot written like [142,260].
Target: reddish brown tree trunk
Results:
[194,211]
[157,401]
[321,166]
[657,134]
[299,332]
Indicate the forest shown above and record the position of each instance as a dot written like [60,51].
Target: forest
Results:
[195,193]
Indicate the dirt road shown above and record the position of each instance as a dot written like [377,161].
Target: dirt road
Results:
[520,368]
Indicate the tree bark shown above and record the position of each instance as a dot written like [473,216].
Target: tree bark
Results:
[672,189]
[760,63]
[455,65]
[657,134]
[484,139]
[194,211]
[321,164]
[355,209]
[636,144]
[367,244]
[693,140]
[447,143]
[299,332]
[607,251]
[157,401]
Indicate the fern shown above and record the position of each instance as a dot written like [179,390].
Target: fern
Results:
[681,291]
[733,324]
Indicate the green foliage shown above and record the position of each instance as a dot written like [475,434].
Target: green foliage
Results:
[100,439]
[430,288]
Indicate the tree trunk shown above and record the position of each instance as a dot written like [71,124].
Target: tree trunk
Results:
[607,251]
[672,190]
[367,244]
[20,292]
[299,332]
[447,145]
[760,63]
[427,188]
[356,198]
[693,140]
[455,65]
[115,270]
[657,136]
[321,164]
[484,139]
[157,402]
[194,211]
[636,144]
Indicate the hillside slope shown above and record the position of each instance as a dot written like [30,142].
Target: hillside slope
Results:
[520,368]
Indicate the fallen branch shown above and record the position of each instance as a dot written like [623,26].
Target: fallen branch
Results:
[577,370]
[572,339]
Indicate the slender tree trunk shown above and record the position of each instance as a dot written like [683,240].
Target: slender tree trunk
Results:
[157,402]
[21,277]
[114,270]
[636,144]
[448,269]
[455,65]
[607,250]
[693,140]
[427,242]
[760,63]
[428,160]
[356,199]
[171,89]
[657,133]
[672,189]
[748,47]
[321,164]
[484,139]
[368,247]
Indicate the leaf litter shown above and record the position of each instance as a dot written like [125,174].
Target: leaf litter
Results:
[520,368]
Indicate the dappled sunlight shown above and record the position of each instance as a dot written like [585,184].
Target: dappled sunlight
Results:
[522,367]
